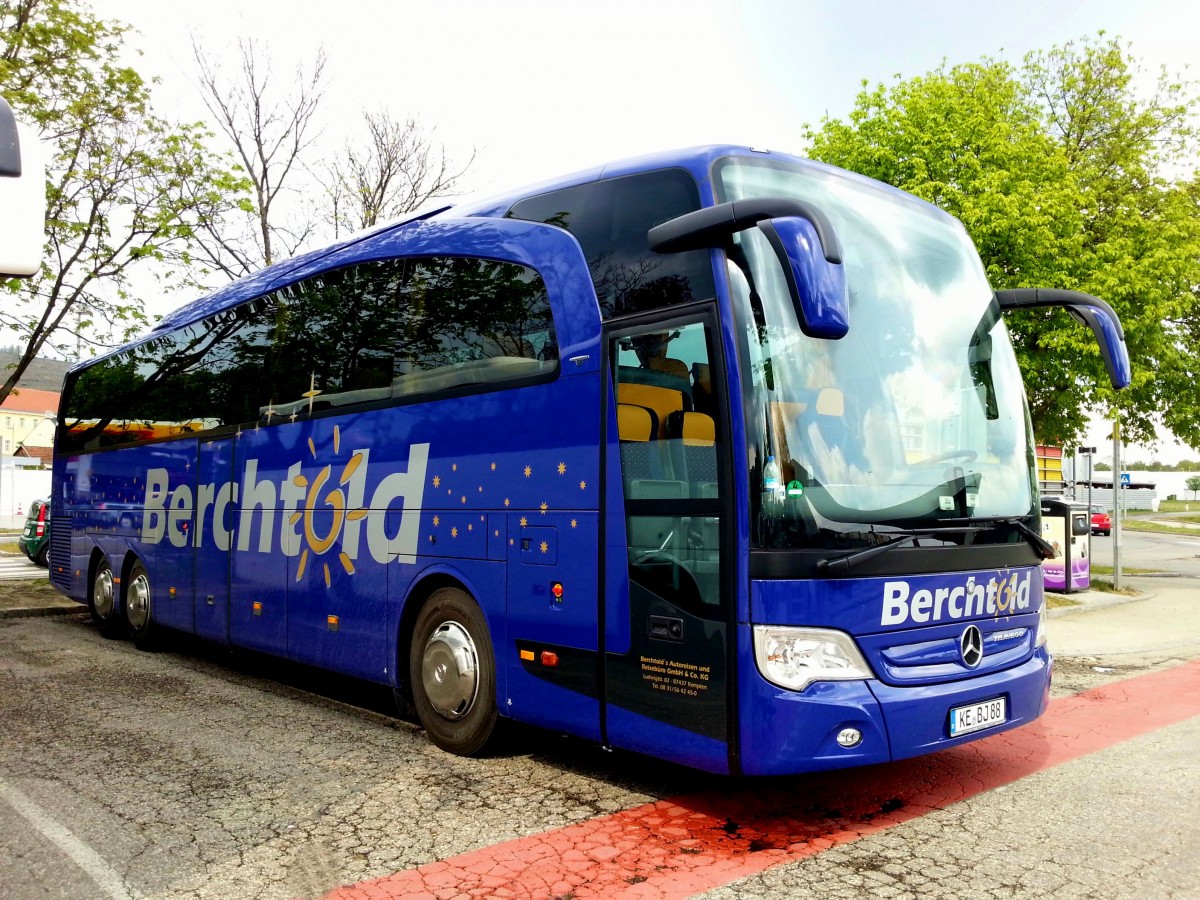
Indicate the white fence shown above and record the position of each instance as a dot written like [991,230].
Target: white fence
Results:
[1146,491]
[19,487]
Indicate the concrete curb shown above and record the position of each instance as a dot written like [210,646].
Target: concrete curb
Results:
[1090,600]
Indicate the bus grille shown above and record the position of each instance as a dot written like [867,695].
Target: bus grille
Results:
[60,551]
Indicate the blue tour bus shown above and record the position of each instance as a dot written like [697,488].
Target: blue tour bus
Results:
[719,455]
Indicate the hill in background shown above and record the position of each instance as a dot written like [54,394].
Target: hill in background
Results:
[42,374]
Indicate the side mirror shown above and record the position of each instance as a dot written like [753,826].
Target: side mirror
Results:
[1093,312]
[816,283]
[804,241]
[22,198]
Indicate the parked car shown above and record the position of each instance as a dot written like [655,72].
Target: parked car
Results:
[1101,523]
[35,538]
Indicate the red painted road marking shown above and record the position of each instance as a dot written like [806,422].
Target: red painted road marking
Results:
[681,846]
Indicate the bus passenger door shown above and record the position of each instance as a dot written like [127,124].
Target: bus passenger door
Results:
[214,468]
[668,592]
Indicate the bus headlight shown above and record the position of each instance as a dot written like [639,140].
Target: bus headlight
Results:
[794,658]
[1040,640]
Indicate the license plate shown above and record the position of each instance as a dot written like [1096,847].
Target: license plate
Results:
[977,716]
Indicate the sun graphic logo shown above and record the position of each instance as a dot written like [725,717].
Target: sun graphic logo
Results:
[335,499]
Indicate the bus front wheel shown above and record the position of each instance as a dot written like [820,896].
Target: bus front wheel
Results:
[452,671]
[139,615]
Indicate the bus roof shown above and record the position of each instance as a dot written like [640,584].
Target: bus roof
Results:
[696,160]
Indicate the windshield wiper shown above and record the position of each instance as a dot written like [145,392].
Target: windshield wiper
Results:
[850,560]
[1044,548]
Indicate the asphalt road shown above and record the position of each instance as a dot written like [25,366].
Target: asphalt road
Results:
[17,567]
[1170,553]
[192,773]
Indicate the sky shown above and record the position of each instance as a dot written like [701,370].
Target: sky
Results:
[539,89]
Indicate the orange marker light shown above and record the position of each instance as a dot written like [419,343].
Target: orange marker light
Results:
[527,655]
[557,590]
[549,658]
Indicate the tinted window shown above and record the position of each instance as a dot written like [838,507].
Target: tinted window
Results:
[364,334]
[610,219]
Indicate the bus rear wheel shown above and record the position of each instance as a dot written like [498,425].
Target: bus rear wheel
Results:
[139,615]
[452,671]
[102,601]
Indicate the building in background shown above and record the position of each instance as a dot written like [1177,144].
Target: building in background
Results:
[27,421]
[1067,474]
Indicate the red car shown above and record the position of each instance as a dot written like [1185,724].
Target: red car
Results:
[1101,523]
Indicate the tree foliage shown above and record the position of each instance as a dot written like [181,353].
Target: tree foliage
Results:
[1064,176]
[124,185]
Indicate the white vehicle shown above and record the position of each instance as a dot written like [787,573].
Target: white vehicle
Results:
[22,197]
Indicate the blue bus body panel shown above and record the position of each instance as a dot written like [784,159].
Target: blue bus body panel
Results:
[309,536]
[646,735]
[214,466]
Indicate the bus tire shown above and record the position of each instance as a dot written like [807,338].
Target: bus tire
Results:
[452,671]
[102,601]
[139,615]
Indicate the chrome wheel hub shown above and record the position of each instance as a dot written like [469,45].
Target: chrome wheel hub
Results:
[449,670]
[102,593]
[137,602]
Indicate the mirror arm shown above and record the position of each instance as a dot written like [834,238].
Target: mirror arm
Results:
[1028,298]
[712,225]
[1092,311]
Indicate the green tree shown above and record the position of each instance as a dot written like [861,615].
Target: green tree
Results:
[1063,176]
[1193,485]
[124,186]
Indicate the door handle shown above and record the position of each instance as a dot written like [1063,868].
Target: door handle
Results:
[665,628]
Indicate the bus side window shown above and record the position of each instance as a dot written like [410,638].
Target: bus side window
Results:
[610,219]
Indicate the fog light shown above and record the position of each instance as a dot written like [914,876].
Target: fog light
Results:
[849,737]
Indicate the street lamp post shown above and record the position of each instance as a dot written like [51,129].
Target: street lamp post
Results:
[1116,482]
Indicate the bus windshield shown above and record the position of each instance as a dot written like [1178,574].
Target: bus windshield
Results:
[917,415]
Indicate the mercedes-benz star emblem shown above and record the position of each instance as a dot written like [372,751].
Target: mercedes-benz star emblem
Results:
[970,645]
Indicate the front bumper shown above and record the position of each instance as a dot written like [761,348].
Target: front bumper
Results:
[786,732]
